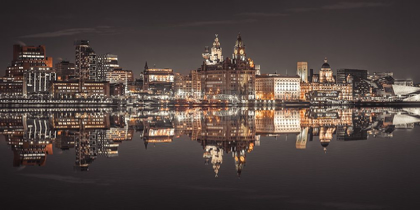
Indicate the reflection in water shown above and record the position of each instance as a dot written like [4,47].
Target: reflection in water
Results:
[221,132]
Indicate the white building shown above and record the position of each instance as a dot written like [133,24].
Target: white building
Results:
[277,87]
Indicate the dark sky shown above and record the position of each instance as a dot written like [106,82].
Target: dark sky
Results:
[377,35]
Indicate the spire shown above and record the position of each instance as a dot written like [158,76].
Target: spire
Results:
[146,66]
[325,60]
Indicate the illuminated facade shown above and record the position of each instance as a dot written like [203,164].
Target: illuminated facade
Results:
[27,57]
[85,60]
[38,81]
[277,87]
[302,71]
[158,81]
[105,63]
[215,55]
[326,74]
[230,79]
[75,89]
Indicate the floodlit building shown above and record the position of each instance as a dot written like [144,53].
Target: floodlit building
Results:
[232,79]
[326,74]
[277,87]
[158,81]
[302,71]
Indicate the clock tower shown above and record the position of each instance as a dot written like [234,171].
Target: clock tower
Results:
[239,49]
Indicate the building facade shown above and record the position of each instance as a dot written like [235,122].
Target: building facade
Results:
[158,81]
[105,63]
[277,87]
[302,71]
[85,60]
[231,79]
[27,57]
[64,70]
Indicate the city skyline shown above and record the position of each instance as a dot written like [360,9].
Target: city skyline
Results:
[305,32]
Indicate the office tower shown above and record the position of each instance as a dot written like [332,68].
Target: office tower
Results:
[85,60]
[302,71]
[27,57]
[65,70]
[105,63]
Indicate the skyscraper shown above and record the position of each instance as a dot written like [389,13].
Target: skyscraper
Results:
[302,71]
[105,63]
[26,58]
[85,60]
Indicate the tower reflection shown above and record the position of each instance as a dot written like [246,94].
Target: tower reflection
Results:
[31,134]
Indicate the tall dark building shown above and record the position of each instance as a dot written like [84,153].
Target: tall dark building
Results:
[65,69]
[358,78]
[85,60]
[357,75]
[28,58]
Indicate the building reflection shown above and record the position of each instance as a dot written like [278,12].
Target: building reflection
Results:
[221,132]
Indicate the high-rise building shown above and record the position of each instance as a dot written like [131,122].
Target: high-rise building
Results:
[85,60]
[38,81]
[302,71]
[27,57]
[105,63]
[65,69]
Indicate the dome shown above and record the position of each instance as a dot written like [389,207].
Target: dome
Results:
[326,65]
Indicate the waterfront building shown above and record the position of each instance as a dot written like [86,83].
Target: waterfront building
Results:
[215,55]
[358,78]
[302,71]
[326,74]
[38,81]
[77,89]
[404,82]
[158,82]
[105,63]
[182,86]
[85,60]
[27,57]
[118,75]
[277,87]
[11,86]
[196,84]
[232,79]
[325,89]
[65,70]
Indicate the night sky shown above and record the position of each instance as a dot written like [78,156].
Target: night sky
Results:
[373,35]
